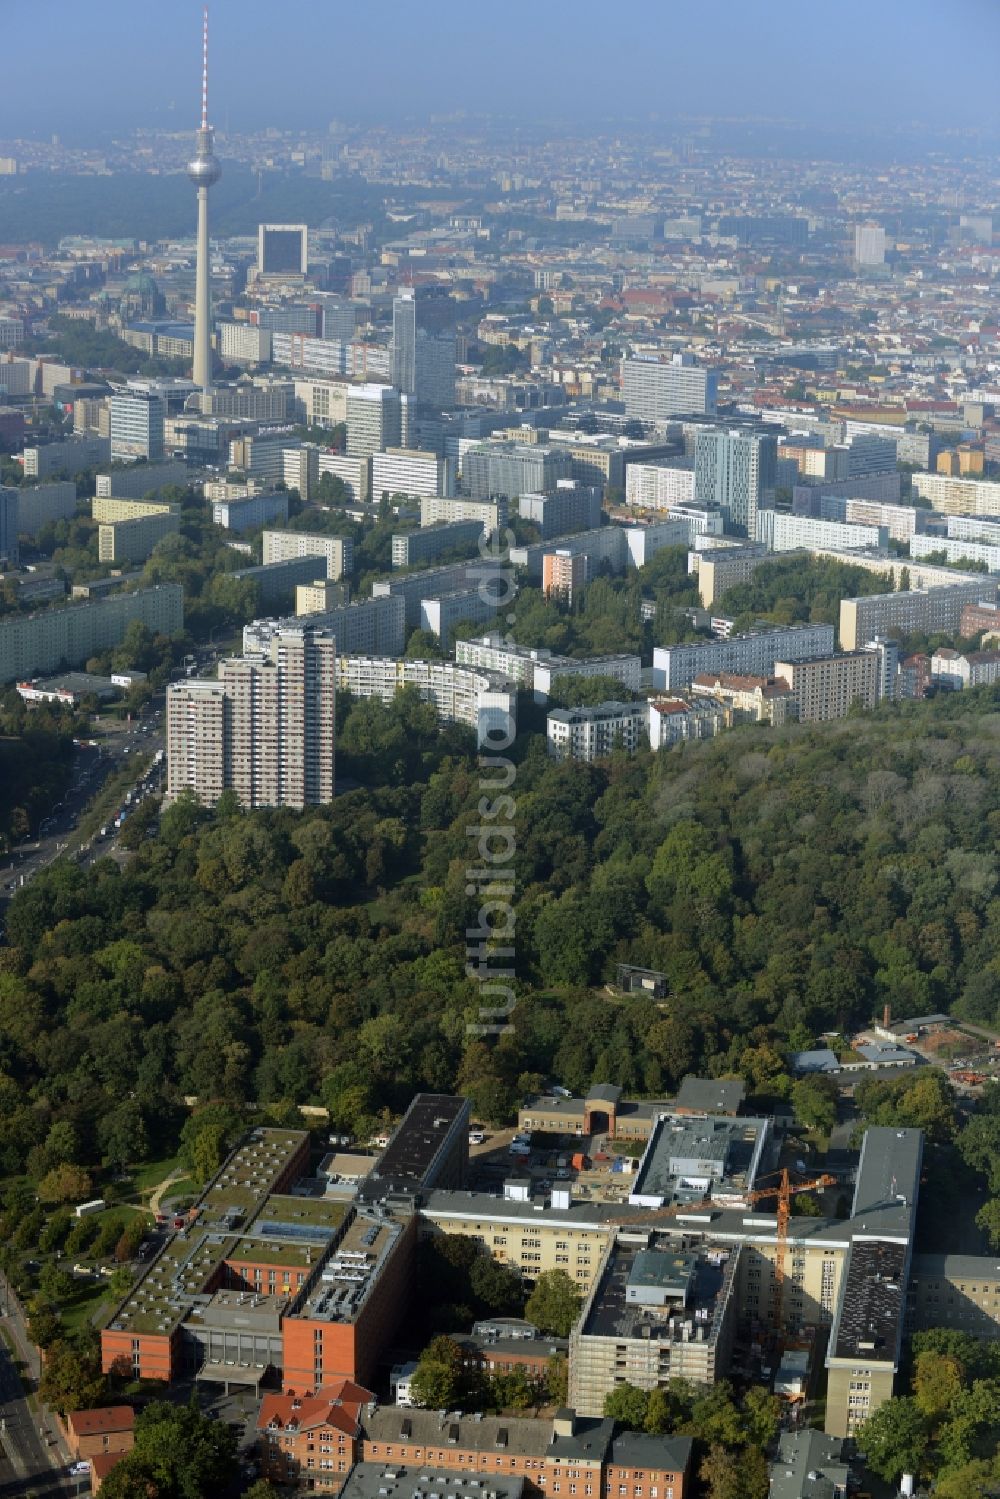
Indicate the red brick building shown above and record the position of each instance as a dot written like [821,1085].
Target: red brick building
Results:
[573,1457]
[311,1440]
[109,1428]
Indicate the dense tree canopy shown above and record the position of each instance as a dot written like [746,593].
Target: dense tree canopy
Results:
[320,957]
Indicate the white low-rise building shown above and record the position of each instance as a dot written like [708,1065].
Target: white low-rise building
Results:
[481,700]
[594,733]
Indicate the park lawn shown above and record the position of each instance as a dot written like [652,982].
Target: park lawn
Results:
[185,1186]
[145,1178]
[79,1308]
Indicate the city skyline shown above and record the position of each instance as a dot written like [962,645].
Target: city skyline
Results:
[556,63]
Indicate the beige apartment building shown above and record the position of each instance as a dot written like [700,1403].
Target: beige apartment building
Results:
[264,729]
[827,687]
[133,540]
[336,551]
[748,699]
[955,1290]
[923,611]
[321,596]
[532,1236]
[956,496]
[722,568]
[654,1314]
[107,511]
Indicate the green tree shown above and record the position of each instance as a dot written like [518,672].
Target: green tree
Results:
[496,1287]
[761,1416]
[62,1143]
[121,1282]
[970,1481]
[65,1183]
[628,1404]
[938,1379]
[988,1219]
[814,1100]
[727,1474]
[71,1377]
[512,1390]
[715,1417]
[896,1438]
[554,1304]
[178,1454]
[557,1379]
[439,1377]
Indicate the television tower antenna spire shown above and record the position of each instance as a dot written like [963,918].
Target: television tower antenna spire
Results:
[204,68]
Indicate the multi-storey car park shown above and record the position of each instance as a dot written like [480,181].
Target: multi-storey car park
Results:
[275,1268]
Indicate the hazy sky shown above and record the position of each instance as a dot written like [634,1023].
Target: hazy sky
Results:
[857,62]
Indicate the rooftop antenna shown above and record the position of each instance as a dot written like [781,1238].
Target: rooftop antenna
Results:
[204,68]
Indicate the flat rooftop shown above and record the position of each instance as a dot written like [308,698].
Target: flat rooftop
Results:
[689,1158]
[870,1315]
[346,1279]
[611,1314]
[410,1156]
[888,1173]
[985,1267]
[181,1276]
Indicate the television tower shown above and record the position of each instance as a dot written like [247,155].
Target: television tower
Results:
[203,171]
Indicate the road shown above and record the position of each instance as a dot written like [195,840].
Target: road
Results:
[59,835]
[34,1460]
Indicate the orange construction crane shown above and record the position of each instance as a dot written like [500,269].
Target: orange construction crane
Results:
[784,1190]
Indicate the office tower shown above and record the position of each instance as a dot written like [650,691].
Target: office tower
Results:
[137,419]
[264,729]
[423,363]
[412,472]
[736,471]
[404,342]
[282,249]
[869,244]
[655,392]
[513,469]
[374,420]
[8,527]
[203,171]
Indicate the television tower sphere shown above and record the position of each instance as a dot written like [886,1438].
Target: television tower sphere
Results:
[204,169]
